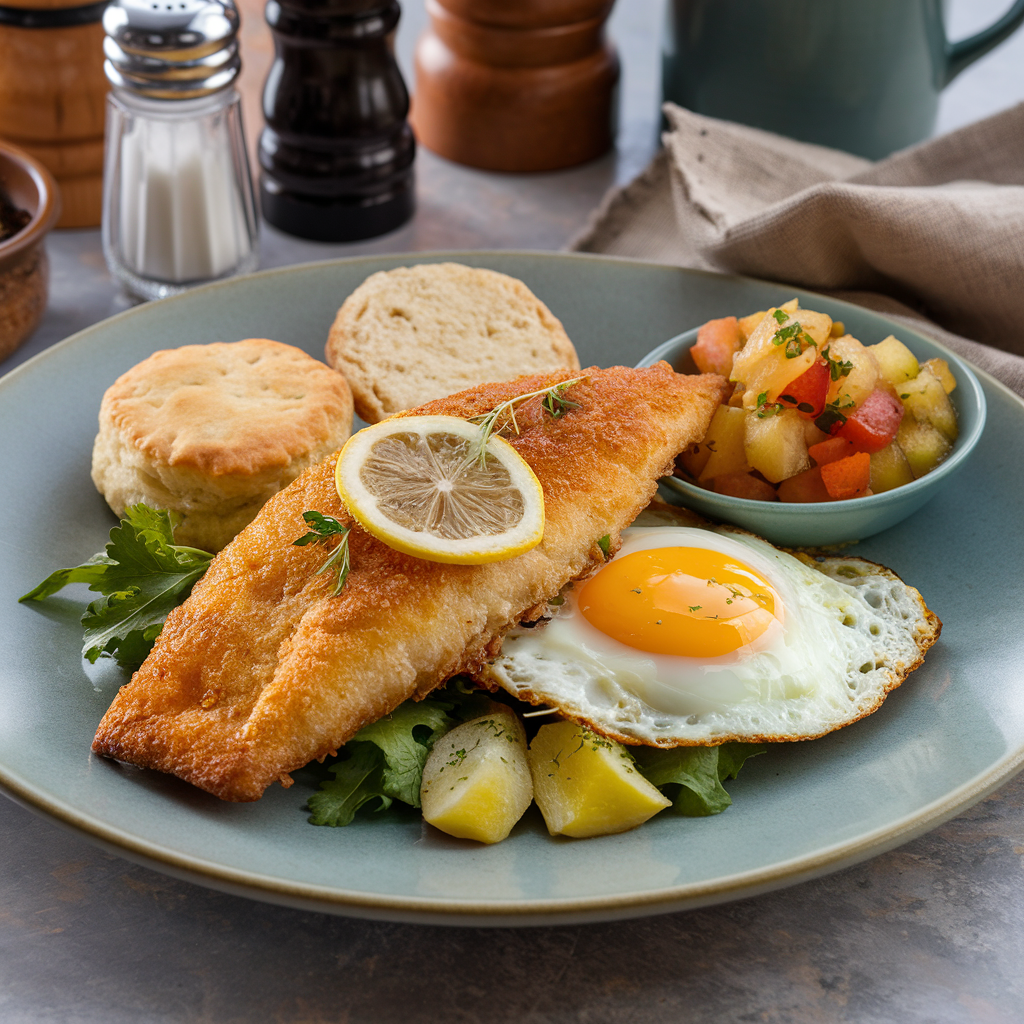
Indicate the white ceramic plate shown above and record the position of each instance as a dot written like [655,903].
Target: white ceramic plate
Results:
[951,734]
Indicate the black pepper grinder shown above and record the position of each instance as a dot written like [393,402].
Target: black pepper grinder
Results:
[336,155]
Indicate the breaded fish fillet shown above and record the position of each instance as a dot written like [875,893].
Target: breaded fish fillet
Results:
[261,670]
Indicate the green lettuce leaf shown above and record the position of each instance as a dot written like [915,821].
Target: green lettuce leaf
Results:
[692,777]
[142,575]
[384,761]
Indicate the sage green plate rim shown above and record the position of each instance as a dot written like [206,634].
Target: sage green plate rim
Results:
[483,912]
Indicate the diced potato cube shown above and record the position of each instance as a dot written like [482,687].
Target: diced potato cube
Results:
[790,307]
[926,400]
[586,785]
[767,363]
[923,446]
[775,445]
[941,370]
[813,433]
[477,781]
[896,362]
[856,385]
[724,439]
[747,324]
[889,469]
[694,459]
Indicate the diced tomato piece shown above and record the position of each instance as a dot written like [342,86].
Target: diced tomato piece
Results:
[717,342]
[808,391]
[805,486]
[744,485]
[847,478]
[830,450]
[874,424]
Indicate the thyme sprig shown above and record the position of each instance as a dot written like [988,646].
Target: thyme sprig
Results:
[554,403]
[324,528]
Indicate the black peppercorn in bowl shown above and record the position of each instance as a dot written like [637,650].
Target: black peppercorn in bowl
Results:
[29,207]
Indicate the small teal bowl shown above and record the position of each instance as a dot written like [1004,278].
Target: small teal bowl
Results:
[819,524]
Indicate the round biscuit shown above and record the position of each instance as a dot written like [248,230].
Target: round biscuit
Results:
[212,431]
[410,335]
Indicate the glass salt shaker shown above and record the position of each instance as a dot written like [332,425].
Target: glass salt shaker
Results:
[178,205]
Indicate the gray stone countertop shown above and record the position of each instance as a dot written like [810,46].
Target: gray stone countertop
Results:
[931,932]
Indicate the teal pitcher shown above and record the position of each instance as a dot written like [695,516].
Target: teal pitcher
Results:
[859,75]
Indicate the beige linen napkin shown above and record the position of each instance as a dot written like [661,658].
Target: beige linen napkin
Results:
[933,235]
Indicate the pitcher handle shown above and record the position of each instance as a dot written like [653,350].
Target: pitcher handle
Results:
[967,51]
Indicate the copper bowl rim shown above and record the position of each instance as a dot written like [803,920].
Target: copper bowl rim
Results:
[47,208]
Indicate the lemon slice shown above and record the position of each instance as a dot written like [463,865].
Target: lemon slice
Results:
[412,483]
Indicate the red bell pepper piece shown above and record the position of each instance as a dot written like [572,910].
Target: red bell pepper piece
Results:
[807,392]
[874,424]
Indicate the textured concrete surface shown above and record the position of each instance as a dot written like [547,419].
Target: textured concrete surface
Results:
[932,932]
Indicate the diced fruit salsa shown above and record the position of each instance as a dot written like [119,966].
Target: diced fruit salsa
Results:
[816,415]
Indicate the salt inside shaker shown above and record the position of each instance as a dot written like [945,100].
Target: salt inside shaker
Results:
[178,206]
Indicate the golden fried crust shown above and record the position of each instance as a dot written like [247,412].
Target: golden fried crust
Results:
[260,670]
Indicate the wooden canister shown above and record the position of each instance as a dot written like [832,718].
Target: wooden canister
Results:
[528,86]
[53,96]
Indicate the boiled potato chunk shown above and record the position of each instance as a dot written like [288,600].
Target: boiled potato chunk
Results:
[895,361]
[586,785]
[926,400]
[477,782]
[863,375]
[941,370]
[889,469]
[724,440]
[923,446]
[776,445]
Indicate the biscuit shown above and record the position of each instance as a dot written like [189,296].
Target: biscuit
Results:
[212,431]
[413,334]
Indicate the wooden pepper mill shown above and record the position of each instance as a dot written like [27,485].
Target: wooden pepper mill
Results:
[337,152]
[526,86]
[53,96]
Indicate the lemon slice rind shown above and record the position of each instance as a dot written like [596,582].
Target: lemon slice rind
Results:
[365,507]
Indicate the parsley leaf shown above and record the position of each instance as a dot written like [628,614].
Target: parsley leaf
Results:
[142,574]
[692,777]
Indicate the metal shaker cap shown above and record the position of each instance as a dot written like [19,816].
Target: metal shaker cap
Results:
[171,49]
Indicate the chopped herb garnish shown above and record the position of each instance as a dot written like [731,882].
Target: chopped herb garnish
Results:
[695,607]
[324,528]
[781,316]
[837,368]
[605,544]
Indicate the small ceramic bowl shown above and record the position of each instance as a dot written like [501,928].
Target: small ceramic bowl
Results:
[24,269]
[819,524]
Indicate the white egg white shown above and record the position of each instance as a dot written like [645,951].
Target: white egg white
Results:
[848,632]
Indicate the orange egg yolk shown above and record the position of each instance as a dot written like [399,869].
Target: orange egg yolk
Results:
[691,602]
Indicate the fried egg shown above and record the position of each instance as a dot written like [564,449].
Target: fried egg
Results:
[695,635]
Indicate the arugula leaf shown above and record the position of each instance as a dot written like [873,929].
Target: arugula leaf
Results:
[698,772]
[142,574]
[384,760]
[357,780]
